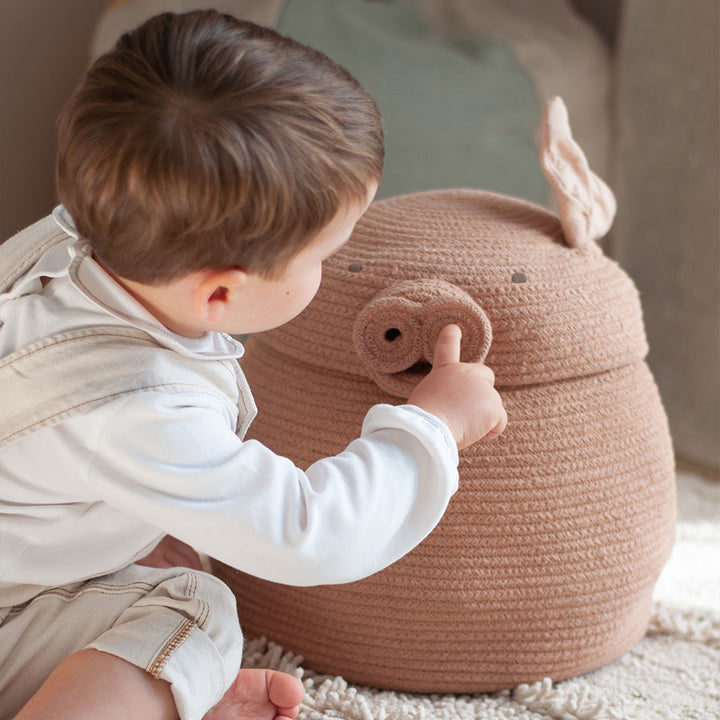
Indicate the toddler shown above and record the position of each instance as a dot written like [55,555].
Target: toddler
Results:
[207,167]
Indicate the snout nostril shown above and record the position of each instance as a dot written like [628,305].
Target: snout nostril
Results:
[392,334]
[419,369]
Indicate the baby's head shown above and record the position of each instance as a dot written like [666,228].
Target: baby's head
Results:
[204,142]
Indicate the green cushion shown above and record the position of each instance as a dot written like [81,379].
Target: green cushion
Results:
[456,113]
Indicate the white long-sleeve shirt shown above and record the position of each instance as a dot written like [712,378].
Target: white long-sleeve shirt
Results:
[99,490]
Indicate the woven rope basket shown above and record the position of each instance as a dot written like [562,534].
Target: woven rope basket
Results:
[545,560]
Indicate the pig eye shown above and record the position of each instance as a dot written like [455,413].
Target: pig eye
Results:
[518,277]
[355,267]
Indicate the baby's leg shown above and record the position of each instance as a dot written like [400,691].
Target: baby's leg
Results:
[175,625]
[93,684]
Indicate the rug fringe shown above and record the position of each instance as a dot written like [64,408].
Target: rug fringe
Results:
[560,703]
[696,625]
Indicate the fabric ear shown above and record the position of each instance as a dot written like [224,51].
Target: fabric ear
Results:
[587,205]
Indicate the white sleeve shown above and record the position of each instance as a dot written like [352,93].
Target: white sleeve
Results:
[177,464]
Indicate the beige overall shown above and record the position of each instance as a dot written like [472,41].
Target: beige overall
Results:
[177,624]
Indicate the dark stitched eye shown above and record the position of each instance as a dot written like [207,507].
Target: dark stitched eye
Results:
[518,277]
[355,267]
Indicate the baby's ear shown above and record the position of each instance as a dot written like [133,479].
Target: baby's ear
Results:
[213,290]
[587,205]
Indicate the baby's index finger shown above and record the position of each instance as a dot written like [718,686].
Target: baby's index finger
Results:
[447,346]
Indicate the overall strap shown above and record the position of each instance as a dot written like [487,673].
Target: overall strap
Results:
[73,372]
[20,252]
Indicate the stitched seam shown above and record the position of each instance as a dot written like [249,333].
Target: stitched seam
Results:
[178,637]
[203,614]
[191,591]
[102,588]
[14,358]
[204,608]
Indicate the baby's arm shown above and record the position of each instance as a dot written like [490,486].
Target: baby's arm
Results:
[174,461]
[460,394]
[179,467]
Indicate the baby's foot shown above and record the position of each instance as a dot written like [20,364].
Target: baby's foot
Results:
[260,695]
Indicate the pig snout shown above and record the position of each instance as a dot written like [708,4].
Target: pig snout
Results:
[395,333]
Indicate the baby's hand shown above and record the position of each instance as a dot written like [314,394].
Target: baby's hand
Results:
[460,394]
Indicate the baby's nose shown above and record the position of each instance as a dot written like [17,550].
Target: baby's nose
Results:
[395,333]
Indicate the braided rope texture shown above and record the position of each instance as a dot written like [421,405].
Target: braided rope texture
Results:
[545,561]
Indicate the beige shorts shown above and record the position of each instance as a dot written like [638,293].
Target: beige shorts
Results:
[177,624]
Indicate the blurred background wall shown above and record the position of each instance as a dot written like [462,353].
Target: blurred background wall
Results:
[43,51]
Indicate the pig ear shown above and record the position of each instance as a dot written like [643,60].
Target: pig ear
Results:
[587,205]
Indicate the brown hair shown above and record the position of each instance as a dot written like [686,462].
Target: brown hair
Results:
[201,141]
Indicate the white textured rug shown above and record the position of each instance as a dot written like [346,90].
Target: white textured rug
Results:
[672,674]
